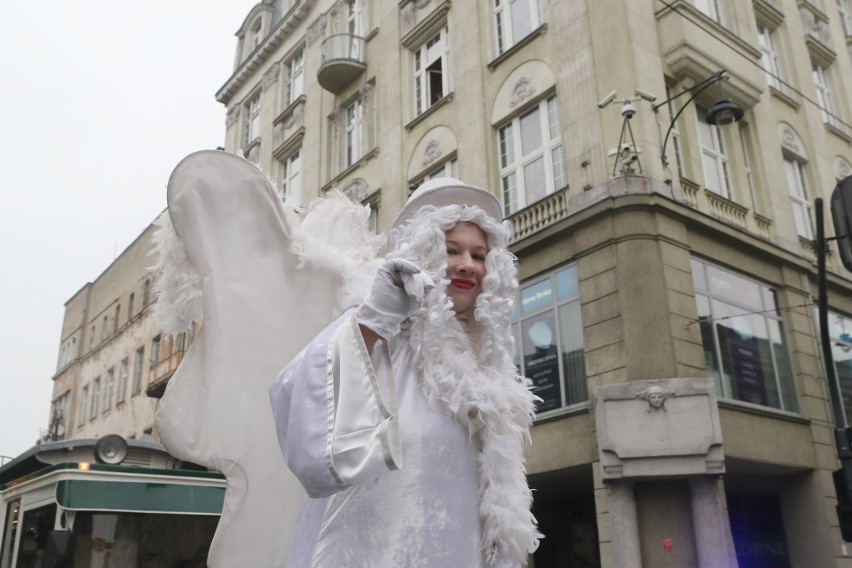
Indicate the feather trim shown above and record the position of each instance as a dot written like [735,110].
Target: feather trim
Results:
[178,288]
[466,369]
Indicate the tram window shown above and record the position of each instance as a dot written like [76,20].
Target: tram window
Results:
[35,530]
[9,532]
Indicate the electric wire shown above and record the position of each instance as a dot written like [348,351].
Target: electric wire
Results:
[692,321]
[701,25]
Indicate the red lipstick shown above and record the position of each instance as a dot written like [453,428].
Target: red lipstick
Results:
[463,284]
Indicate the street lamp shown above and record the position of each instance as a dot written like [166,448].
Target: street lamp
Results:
[723,113]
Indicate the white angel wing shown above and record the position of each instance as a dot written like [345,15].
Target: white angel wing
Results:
[261,303]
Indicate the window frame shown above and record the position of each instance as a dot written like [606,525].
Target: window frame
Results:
[83,405]
[424,58]
[96,393]
[296,76]
[288,178]
[504,32]
[555,306]
[109,385]
[514,161]
[770,56]
[138,367]
[717,152]
[353,133]
[252,109]
[799,196]
[821,75]
[121,390]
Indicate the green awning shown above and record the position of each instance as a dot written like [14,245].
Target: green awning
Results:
[88,495]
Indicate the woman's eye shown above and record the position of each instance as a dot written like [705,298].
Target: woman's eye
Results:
[451,251]
[479,257]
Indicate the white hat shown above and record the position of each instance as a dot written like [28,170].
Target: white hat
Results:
[441,192]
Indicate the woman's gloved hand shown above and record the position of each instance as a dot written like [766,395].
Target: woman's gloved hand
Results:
[397,291]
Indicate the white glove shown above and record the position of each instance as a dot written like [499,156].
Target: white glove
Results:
[397,291]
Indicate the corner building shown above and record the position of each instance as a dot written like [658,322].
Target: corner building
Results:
[668,281]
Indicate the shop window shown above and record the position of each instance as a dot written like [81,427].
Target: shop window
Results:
[548,334]
[745,348]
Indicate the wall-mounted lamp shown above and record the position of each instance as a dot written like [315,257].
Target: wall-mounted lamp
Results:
[723,113]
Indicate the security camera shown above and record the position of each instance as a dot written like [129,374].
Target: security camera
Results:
[629,160]
[607,99]
[626,148]
[645,95]
[628,111]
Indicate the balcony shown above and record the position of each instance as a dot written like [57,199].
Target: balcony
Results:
[342,62]
[159,374]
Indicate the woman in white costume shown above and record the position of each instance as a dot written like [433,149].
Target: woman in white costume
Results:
[405,420]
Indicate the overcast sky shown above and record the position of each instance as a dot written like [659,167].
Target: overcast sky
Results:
[99,102]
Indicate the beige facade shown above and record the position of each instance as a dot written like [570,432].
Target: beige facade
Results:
[634,272]
[113,360]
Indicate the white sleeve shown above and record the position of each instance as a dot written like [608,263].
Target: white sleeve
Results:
[335,411]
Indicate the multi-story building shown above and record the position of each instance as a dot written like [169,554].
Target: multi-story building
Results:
[113,360]
[666,312]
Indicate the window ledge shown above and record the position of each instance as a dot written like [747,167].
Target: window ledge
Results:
[250,146]
[784,98]
[560,413]
[838,131]
[342,175]
[766,411]
[429,111]
[530,37]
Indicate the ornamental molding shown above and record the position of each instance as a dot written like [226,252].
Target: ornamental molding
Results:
[365,92]
[315,30]
[427,26]
[357,190]
[270,76]
[431,153]
[522,90]
[232,116]
[768,14]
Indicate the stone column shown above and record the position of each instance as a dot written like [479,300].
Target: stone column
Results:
[625,525]
[713,540]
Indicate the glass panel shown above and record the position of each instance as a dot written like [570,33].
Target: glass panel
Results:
[521,20]
[9,532]
[530,132]
[708,340]
[698,278]
[552,118]
[567,284]
[510,193]
[535,184]
[558,174]
[507,146]
[783,365]
[106,540]
[536,297]
[541,364]
[573,356]
[746,355]
[726,285]
[843,366]
[711,173]
[34,537]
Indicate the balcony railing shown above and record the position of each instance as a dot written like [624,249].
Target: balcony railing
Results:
[539,215]
[342,61]
[159,374]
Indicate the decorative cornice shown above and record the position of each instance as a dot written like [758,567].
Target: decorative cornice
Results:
[285,26]
[418,34]
[289,145]
[270,76]
[768,14]
[820,52]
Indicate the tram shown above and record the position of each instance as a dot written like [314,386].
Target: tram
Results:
[106,503]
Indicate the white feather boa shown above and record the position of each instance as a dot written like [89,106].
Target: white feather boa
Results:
[467,370]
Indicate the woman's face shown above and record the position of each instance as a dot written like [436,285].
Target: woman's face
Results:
[466,251]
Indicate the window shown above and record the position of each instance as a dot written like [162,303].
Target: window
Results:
[108,386]
[431,78]
[840,333]
[548,332]
[531,156]
[710,8]
[252,125]
[825,98]
[130,307]
[769,56]
[714,159]
[92,338]
[515,19]
[450,168]
[104,331]
[354,117]
[256,34]
[845,16]
[82,405]
[96,391]
[122,381]
[137,370]
[155,352]
[354,13]
[57,418]
[743,335]
[749,173]
[146,292]
[291,178]
[799,200]
[296,80]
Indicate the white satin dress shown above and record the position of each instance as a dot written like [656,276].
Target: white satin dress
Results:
[392,480]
